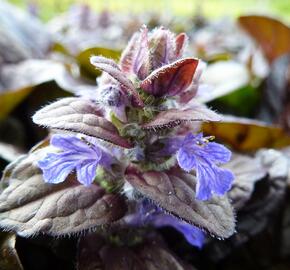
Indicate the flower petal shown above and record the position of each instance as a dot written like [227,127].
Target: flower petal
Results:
[67,142]
[217,152]
[192,234]
[185,160]
[212,180]
[80,154]
[86,172]
[56,167]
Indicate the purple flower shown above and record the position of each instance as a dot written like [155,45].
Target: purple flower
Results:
[152,62]
[192,234]
[196,152]
[80,154]
[112,99]
[150,214]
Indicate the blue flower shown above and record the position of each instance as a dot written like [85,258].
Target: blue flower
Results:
[197,152]
[149,214]
[80,154]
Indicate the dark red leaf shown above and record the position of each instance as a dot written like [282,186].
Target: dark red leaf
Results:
[170,79]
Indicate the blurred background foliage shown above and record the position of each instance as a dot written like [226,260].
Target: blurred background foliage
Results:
[209,8]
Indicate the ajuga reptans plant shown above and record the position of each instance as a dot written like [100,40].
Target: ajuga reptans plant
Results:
[131,152]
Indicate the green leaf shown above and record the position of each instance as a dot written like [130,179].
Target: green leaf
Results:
[9,259]
[10,99]
[83,59]
[60,48]
[241,102]
[244,134]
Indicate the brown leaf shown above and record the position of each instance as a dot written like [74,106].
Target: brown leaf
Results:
[155,257]
[171,79]
[9,259]
[266,201]
[29,206]
[247,135]
[175,192]
[275,162]
[275,105]
[79,115]
[174,117]
[269,193]
[247,171]
[124,258]
[96,252]
[259,220]
[272,35]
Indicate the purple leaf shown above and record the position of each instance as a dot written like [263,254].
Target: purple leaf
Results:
[162,42]
[180,42]
[175,192]
[111,67]
[79,115]
[171,79]
[142,63]
[96,252]
[174,117]
[29,206]
[248,171]
[128,54]
[135,59]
